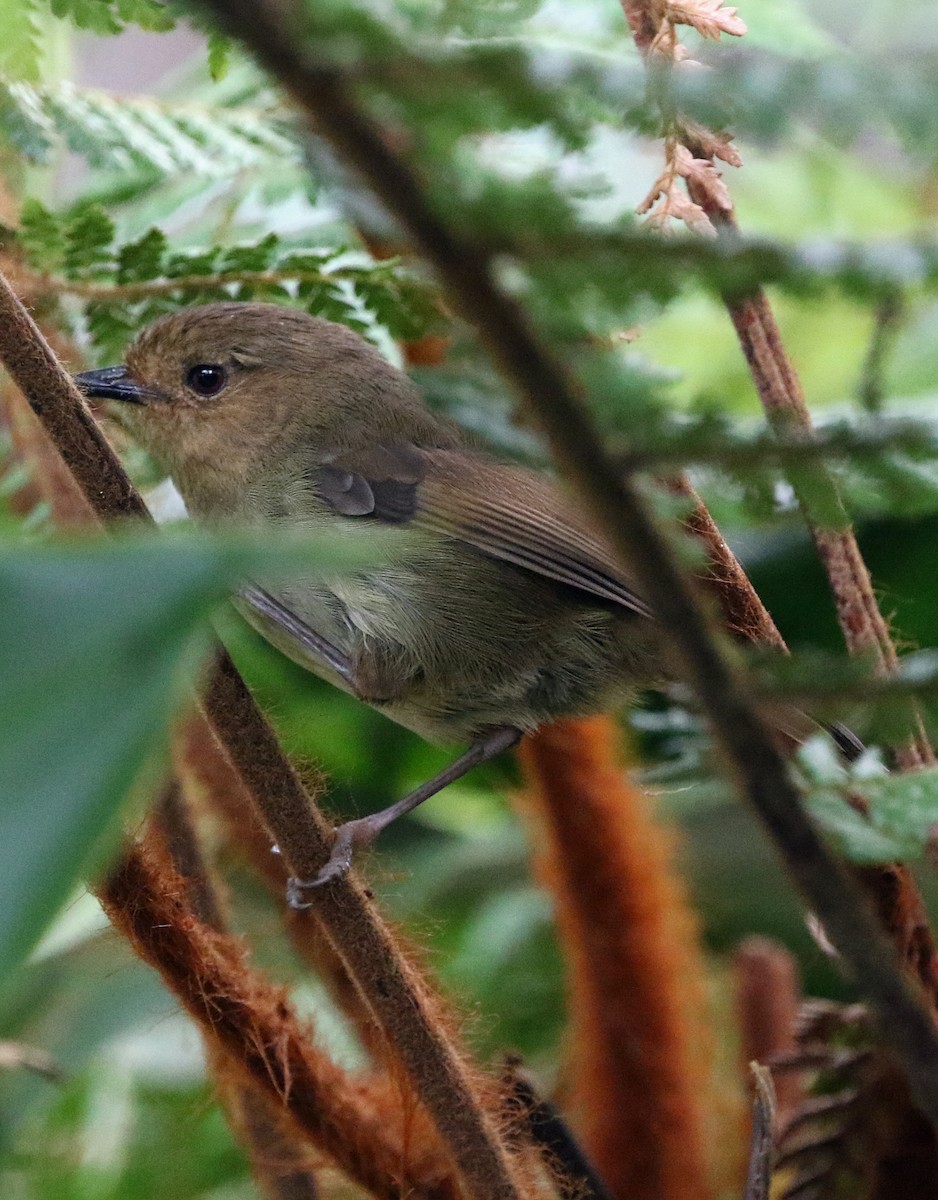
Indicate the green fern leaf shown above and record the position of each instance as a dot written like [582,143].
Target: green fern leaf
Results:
[134,133]
[148,14]
[143,259]
[113,16]
[25,126]
[94,15]
[258,257]
[192,263]
[41,236]
[110,326]
[21,45]
[88,244]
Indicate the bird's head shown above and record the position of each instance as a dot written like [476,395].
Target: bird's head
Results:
[230,389]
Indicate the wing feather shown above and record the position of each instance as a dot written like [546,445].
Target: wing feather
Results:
[508,512]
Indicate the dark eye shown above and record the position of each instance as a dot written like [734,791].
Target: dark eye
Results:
[206,379]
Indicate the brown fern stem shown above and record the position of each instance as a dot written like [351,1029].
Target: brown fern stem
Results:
[768,995]
[285,1170]
[279,1159]
[215,785]
[742,611]
[634,970]
[892,889]
[252,1024]
[865,631]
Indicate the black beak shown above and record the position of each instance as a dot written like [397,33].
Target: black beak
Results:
[113,383]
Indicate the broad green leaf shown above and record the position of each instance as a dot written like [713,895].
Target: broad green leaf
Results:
[96,644]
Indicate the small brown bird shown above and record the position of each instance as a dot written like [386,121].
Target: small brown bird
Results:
[497,607]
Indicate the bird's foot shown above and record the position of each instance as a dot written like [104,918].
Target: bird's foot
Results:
[347,837]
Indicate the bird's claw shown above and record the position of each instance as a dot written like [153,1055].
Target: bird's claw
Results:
[347,837]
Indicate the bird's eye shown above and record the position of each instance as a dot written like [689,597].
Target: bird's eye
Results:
[206,379]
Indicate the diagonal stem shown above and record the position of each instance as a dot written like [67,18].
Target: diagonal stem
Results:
[278,1159]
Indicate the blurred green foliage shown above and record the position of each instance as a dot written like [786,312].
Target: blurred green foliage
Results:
[535,127]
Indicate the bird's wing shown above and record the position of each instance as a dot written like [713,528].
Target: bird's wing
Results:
[507,512]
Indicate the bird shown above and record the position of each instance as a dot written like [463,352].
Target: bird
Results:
[496,607]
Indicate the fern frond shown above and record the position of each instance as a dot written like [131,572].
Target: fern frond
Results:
[142,132]
[123,286]
[113,16]
[21,44]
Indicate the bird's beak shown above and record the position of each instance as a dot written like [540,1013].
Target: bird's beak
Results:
[114,383]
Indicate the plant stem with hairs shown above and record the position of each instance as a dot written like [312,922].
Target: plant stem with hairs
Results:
[210,780]
[252,1023]
[638,1068]
[278,1159]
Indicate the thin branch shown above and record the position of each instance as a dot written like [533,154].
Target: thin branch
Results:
[554,398]
[743,612]
[284,1172]
[400,1000]
[58,404]
[917,677]
[208,776]
[865,630]
[36,286]
[759,1177]
[172,822]
[767,450]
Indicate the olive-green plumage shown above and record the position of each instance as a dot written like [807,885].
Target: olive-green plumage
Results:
[498,604]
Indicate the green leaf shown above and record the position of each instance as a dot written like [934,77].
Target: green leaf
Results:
[219,55]
[143,259]
[112,16]
[254,257]
[148,14]
[94,15]
[20,46]
[111,325]
[903,815]
[41,235]
[98,640]
[88,239]
[143,132]
[95,645]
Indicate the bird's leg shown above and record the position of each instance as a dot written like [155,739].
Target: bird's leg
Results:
[319,648]
[364,831]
